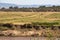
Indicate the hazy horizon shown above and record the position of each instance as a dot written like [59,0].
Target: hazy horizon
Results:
[32,2]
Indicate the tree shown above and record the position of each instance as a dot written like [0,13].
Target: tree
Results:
[53,6]
[10,7]
[42,6]
[3,8]
[15,7]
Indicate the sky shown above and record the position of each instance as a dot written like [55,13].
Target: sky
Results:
[32,2]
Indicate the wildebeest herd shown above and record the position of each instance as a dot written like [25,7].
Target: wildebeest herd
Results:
[28,26]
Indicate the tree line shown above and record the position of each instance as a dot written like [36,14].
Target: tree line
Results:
[33,9]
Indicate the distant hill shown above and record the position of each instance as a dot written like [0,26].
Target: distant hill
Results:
[8,5]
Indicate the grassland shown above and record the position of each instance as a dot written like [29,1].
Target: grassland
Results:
[28,17]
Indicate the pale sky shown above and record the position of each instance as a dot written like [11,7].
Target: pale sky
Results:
[31,2]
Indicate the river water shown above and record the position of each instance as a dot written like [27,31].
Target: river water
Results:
[28,38]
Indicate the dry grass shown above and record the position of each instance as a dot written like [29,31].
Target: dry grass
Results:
[28,17]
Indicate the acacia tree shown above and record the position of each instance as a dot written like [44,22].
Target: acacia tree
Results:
[16,7]
[3,8]
[10,7]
